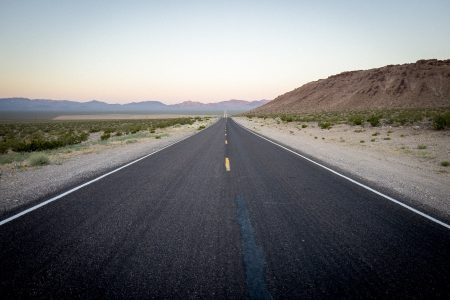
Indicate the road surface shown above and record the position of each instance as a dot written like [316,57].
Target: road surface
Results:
[223,214]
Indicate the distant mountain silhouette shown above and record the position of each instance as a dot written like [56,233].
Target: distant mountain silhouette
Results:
[65,106]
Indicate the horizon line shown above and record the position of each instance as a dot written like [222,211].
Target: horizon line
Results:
[136,101]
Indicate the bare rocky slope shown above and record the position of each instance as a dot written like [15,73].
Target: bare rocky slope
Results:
[424,84]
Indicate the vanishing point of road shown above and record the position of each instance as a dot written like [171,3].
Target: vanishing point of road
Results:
[223,214]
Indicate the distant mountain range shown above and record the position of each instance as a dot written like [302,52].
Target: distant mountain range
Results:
[66,106]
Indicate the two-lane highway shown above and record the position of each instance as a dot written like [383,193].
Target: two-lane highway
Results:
[223,214]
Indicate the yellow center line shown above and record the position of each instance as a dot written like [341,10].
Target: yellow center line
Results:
[227,164]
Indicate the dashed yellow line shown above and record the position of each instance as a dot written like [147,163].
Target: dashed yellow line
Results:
[227,164]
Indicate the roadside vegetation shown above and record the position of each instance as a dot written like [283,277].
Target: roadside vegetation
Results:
[39,159]
[438,119]
[407,131]
[30,140]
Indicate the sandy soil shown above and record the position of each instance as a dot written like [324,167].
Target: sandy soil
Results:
[404,160]
[21,184]
[118,117]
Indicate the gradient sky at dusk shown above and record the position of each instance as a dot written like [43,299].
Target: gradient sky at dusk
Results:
[123,51]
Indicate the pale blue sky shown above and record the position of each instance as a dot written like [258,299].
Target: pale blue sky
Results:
[122,51]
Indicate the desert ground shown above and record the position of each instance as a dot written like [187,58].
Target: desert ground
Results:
[408,161]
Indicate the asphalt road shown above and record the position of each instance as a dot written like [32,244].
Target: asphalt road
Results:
[185,223]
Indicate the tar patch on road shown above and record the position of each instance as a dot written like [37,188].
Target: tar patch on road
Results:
[254,262]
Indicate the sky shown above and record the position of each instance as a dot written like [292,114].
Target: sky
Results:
[207,51]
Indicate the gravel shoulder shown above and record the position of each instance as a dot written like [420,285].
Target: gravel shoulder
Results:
[22,185]
[405,161]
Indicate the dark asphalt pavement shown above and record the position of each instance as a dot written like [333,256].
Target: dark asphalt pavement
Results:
[178,225]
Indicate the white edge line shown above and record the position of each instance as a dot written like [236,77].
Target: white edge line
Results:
[26,211]
[352,180]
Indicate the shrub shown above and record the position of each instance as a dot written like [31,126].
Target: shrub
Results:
[375,134]
[39,159]
[421,146]
[109,130]
[201,127]
[374,120]
[362,141]
[324,125]
[40,143]
[105,136]
[304,125]
[287,118]
[134,129]
[3,147]
[440,122]
[387,138]
[445,163]
[356,120]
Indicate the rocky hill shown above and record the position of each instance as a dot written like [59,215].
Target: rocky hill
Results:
[424,84]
